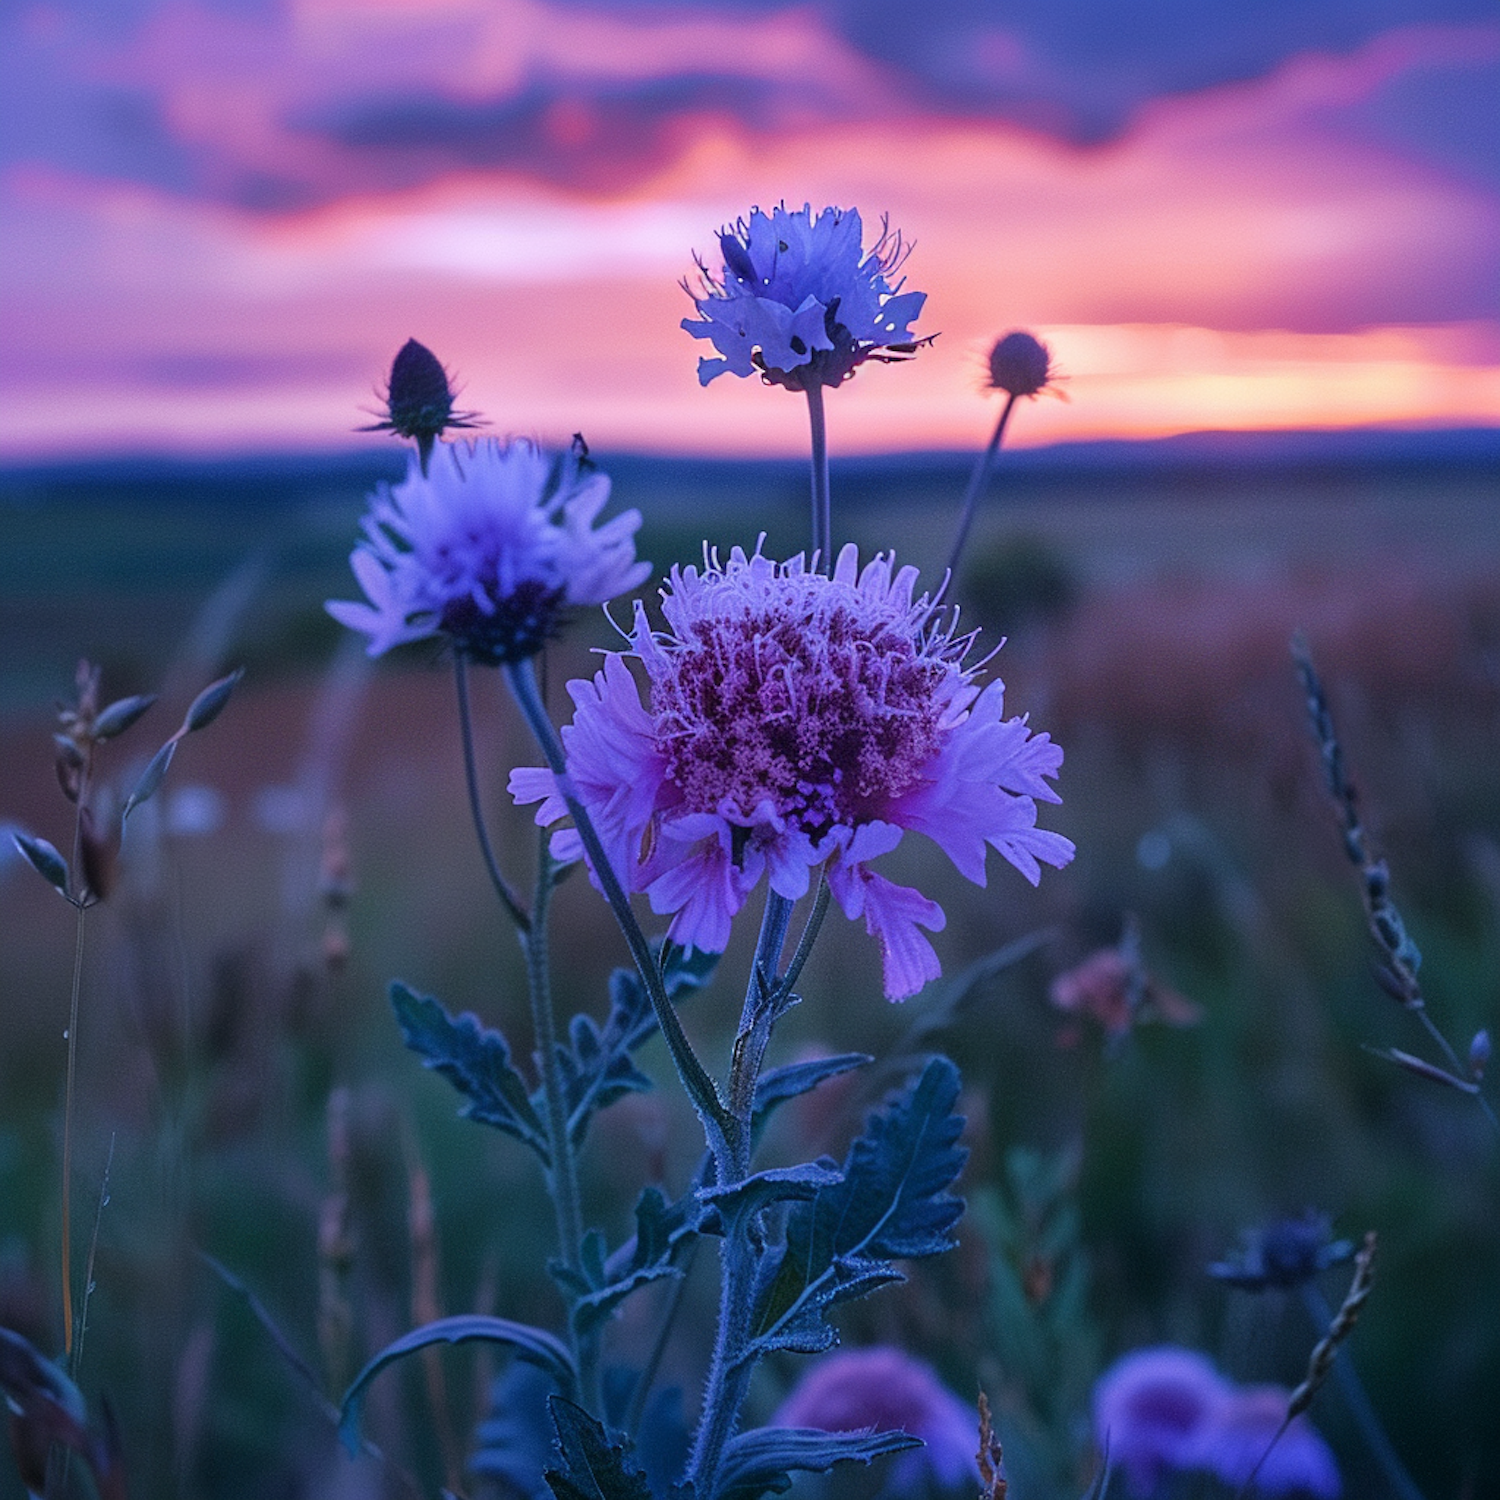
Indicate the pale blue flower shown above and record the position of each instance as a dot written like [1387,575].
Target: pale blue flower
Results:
[801,301]
[490,548]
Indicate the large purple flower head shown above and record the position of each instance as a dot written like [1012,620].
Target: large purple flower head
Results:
[1238,1435]
[796,720]
[1150,1410]
[884,1390]
[489,548]
[801,300]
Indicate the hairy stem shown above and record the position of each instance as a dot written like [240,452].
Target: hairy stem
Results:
[977,481]
[513,907]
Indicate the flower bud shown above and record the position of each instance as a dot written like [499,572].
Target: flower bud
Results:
[1020,365]
[1479,1054]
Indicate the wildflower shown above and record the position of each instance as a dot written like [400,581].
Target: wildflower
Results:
[884,1390]
[1150,1408]
[1239,1435]
[489,549]
[419,400]
[1020,365]
[1284,1254]
[802,301]
[1117,992]
[797,720]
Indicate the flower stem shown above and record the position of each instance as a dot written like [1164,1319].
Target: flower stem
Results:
[756,1018]
[700,1087]
[513,907]
[977,481]
[563,1172]
[822,503]
[67,1146]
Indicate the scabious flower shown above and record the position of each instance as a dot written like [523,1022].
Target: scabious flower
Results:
[1239,1435]
[885,1390]
[796,720]
[1284,1254]
[1020,364]
[489,548]
[801,300]
[1150,1408]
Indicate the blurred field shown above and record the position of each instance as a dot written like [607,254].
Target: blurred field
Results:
[1148,614]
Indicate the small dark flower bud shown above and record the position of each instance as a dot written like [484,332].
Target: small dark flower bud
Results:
[121,714]
[1020,365]
[419,400]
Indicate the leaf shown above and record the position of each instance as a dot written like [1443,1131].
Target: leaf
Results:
[760,1460]
[774,1088]
[45,860]
[151,778]
[513,1444]
[535,1344]
[476,1060]
[121,714]
[661,1230]
[892,1202]
[775,1185]
[596,1065]
[209,704]
[593,1467]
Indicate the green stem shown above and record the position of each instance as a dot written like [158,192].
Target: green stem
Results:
[507,897]
[700,1087]
[822,501]
[977,481]
[67,1147]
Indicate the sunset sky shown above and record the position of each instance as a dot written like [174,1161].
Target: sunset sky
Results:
[222,217]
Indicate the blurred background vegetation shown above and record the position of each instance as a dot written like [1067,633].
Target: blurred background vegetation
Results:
[241,1075]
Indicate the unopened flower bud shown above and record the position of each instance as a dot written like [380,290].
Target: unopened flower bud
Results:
[1020,365]
[419,400]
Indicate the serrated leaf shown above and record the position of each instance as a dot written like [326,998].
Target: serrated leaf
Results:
[891,1203]
[762,1459]
[475,1059]
[150,779]
[534,1344]
[45,860]
[209,704]
[778,1085]
[594,1466]
[775,1185]
[121,714]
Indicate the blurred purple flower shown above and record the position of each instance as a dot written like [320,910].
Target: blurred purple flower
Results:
[885,1390]
[801,300]
[489,548]
[1284,1254]
[1150,1408]
[799,720]
[1240,1430]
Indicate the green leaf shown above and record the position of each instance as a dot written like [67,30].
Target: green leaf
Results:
[593,1466]
[534,1344]
[778,1085]
[45,860]
[476,1060]
[151,778]
[760,1460]
[890,1203]
[121,714]
[209,704]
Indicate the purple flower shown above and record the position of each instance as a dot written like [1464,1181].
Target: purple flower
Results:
[798,720]
[801,300]
[1150,1408]
[884,1390]
[489,548]
[1239,1431]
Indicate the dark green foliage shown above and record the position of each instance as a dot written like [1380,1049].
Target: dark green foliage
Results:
[594,1467]
[761,1460]
[475,1059]
[775,1087]
[890,1203]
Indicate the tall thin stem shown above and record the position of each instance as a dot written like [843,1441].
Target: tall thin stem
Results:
[566,1199]
[822,502]
[67,1146]
[507,897]
[700,1087]
[977,481]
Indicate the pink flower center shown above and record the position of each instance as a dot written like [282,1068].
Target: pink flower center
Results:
[824,711]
